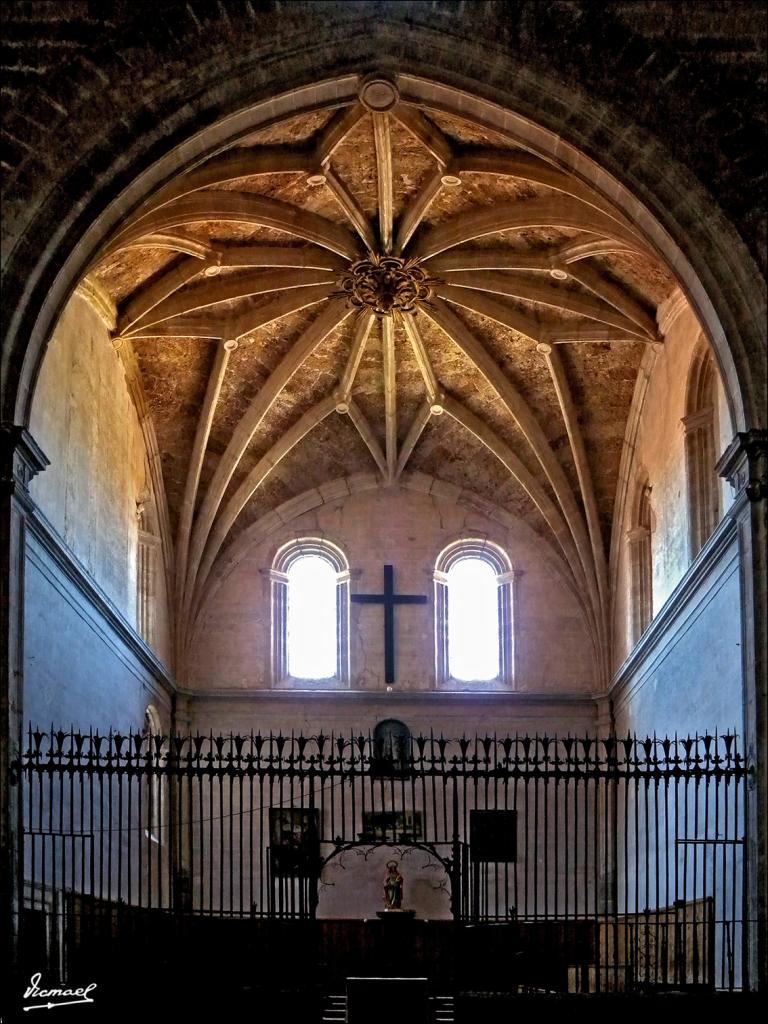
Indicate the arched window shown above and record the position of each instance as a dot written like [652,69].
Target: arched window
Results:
[310,614]
[700,423]
[474,641]
[641,560]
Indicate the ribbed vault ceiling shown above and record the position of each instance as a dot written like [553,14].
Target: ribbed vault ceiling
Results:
[513,301]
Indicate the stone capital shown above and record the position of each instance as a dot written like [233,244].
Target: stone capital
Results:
[700,418]
[744,464]
[512,576]
[100,301]
[21,458]
[637,534]
[670,309]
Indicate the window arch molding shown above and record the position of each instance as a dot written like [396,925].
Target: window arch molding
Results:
[639,539]
[700,426]
[284,560]
[506,581]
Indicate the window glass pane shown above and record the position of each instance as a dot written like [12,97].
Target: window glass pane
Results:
[311,632]
[473,621]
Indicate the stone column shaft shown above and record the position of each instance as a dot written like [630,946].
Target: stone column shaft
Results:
[745,465]
[20,460]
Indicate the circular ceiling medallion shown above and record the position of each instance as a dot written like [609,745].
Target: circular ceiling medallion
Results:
[316,179]
[379,94]
[451,180]
[387,284]
[558,274]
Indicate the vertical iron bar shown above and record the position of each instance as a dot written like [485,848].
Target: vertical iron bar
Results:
[193,770]
[596,867]
[739,809]
[211,776]
[646,872]
[667,904]
[545,851]
[566,829]
[527,833]
[536,829]
[678,868]
[202,783]
[726,942]
[695,847]
[263,842]
[505,783]
[515,779]
[657,936]
[220,858]
[231,830]
[636,906]
[555,782]
[240,875]
[73,852]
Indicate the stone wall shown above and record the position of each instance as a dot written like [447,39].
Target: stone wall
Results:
[352,713]
[84,419]
[657,454]
[84,663]
[685,71]
[408,530]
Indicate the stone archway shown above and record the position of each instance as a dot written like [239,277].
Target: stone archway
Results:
[54,234]
[63,219]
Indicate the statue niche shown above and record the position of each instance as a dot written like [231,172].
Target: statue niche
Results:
[391,753]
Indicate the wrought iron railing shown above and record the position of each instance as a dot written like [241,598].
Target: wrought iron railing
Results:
[629,850]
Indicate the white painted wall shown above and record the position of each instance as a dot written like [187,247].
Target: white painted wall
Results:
[79,669]
[686,673]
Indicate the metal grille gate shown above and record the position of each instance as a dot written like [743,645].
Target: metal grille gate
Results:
[635,845]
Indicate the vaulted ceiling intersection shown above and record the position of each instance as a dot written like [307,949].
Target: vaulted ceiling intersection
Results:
[369,285]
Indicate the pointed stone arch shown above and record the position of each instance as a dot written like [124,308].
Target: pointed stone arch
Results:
[639,538]
[700,425]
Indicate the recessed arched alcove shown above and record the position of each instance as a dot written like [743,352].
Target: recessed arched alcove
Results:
[352,881]
[465,141]
[505,274]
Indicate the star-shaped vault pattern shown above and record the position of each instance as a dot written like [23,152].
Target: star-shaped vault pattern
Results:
[382,286]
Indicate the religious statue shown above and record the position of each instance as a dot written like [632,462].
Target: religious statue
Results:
[393,887]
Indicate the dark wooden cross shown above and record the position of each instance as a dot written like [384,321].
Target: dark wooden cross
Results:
[389,599]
